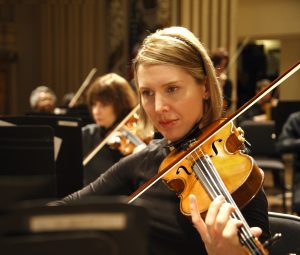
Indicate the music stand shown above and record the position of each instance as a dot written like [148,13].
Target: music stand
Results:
[27,169]
[98,226]
[69,169]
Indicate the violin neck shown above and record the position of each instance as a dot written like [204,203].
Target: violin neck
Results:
[214,185]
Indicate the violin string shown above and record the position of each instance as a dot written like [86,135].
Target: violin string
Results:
[245,235]
[212,191]
[220,189]
[206,159]
[245,229]
[210,185]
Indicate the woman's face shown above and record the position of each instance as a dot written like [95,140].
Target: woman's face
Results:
[171,98]
[103,114]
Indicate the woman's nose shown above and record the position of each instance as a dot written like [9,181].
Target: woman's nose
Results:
[96,109]
[161,104]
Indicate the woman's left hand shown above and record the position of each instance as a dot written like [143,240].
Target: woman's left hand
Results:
[219,232]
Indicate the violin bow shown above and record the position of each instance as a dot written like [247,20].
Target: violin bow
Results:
[106,139]
[231,118]
[82,88]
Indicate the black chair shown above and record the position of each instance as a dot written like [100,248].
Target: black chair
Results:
[289,227]
[296,191]
[281,112]
[261,136]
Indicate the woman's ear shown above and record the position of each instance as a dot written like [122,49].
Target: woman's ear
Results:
[206,96]
[206,93]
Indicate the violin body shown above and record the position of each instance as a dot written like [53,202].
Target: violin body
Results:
[240,174]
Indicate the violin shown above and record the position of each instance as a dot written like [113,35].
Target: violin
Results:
[125,136]
[128,138]
[223,151]
[218,167]
[214,164]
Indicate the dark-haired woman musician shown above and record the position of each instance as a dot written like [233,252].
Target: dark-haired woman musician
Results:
[110,98]
[178,93]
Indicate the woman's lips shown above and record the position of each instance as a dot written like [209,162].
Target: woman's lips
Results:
[167,123]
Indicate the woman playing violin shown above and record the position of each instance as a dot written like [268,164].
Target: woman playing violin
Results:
[178,93]
[110,98]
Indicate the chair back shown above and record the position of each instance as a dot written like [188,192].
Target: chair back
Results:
[261,136]
[289,227]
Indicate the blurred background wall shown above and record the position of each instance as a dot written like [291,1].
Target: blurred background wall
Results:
[57,42]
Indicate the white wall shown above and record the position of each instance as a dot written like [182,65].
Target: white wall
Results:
[290,53]
[268,18]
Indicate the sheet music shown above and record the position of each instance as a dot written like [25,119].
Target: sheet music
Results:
[6,124]
[56,140]
[57,145]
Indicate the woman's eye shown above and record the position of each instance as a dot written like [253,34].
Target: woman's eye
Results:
[146,93]
[172,89]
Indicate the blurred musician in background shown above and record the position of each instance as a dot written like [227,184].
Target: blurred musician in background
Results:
[261,111]
[43,100]
[110,99]
[289,142]
[220,59]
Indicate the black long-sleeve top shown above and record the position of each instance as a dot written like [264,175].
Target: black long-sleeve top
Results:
[289,138]
[92,136]
[171,232]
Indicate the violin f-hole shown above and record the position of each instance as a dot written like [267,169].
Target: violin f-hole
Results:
[184,169]
[214,148]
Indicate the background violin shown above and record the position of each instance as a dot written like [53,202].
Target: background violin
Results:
[125,136]
[129,138]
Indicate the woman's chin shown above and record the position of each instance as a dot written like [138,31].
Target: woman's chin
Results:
[171,137]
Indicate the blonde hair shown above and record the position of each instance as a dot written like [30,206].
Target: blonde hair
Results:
[179,47]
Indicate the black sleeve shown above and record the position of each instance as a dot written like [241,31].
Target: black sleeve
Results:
[112,182]
[124,177]
[289,139]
